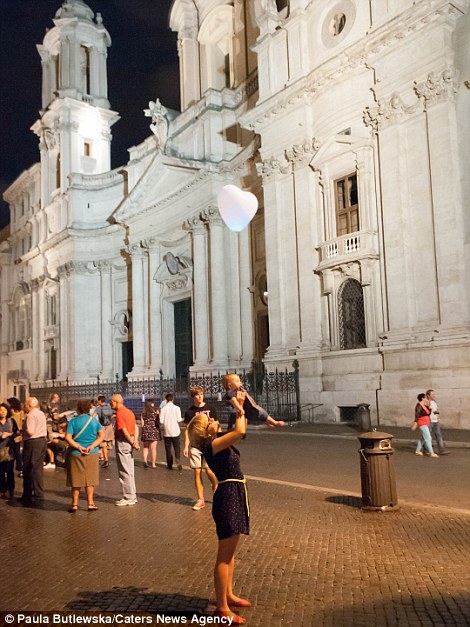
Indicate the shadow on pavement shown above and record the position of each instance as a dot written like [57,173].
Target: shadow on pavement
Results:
[138,600]
[351,501]
[154,497]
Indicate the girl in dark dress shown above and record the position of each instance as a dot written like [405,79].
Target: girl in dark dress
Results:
[151,433]
[230,508]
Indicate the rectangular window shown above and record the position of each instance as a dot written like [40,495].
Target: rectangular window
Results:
[347,207]
[87,149]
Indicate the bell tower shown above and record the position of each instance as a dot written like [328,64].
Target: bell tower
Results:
[75,123]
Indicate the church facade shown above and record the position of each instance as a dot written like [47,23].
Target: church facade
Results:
[349,121]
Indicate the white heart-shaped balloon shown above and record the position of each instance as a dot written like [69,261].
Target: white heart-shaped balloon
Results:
[237,208]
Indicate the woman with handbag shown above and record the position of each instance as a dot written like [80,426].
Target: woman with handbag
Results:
[84,436]
[8,431]
[423,420]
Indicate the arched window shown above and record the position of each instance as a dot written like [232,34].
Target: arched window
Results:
[352,328]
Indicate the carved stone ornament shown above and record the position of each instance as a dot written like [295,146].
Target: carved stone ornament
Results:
[439,87]
[177,284]
[159,126]
[271,166]
[266,16]
[388,113]
[50,137]
[211,215]
[121,324]
[302,153]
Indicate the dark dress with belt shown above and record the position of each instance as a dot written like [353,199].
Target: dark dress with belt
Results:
[230,504]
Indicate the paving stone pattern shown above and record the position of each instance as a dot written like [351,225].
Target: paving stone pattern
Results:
[311,559]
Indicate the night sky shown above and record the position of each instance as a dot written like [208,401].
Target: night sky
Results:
[142,66]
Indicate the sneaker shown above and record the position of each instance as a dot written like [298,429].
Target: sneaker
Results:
[434,455]
[198,505]
[105,465]
[49,465]
[123,502]
[418,453]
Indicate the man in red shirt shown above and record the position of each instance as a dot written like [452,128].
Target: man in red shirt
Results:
[127,439]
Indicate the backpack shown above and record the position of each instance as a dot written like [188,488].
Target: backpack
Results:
[105,415]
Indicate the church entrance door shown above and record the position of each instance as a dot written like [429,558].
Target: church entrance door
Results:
[183,337]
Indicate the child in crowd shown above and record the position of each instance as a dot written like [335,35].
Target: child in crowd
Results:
[243,404]
[196,460]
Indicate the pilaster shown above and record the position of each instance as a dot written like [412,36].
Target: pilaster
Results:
[200,294]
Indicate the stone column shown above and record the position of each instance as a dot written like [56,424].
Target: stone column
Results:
[107,340]
[447,204]
[63,272]
[200,294]
[307,237]
[219,313]
[36,337]
[246,311]
[273,269]
[189,54]
[155,309]
[138,308]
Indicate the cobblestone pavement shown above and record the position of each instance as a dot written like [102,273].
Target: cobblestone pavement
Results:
[314,558]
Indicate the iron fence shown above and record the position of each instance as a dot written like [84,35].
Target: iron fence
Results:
[277,392]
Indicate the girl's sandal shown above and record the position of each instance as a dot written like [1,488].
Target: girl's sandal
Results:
[92,507]
[73,509]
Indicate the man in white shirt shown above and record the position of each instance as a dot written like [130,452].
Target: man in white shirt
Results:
[435,426]
[170,417]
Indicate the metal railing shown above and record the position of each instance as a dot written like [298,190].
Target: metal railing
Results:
[277,392]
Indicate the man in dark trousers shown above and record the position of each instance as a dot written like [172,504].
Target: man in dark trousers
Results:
[34,451]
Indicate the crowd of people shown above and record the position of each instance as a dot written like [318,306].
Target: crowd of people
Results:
[40,437]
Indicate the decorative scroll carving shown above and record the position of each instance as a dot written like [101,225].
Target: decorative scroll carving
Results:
[388,113]
[271,166]
[211,215]
[302,153]
[439,88]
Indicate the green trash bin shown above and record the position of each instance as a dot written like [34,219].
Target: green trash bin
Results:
[377,473]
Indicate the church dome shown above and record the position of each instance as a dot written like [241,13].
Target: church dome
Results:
[75,8]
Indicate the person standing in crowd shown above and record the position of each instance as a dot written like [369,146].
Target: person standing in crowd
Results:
[170,417]
[230,508]
[106,417]
[53,406]
[127,439]
[34,451]
[151,432]
[17,415]
[8,431]
[84,435]
[422,413]
[196,459]
[435,427]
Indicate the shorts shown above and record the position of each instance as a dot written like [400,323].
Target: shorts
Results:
[107,444]
[196,458]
